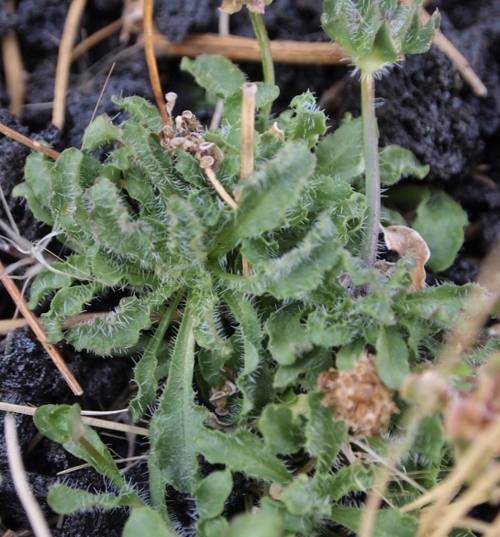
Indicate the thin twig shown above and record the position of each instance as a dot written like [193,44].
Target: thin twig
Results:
[219,188]
[71,25]
[95,422]
[18,473]
[37,146]
[40,334]
[151,60]
[476,494]
[461,64]
[95,38]
[247,49]
[13,68]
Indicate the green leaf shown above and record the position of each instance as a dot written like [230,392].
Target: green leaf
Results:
[145,521]
[323,436]
[388,523]
[280,429]
[67,302]
[72,173]
[215,73]
[308,122]
[257,525]
[177,421]
[62,424]
[212,493]
[141,110]
[396,162]
[266,195]
[288,337]
[66,500]
[100,132]
[61,275]
[266,94]
[301,498]
[113,224]
[37,188]
[186,235]
[301,270]
[145,369]
[341,155]
[242,452]
[310,364]
[392,357]
[120,329]
[429,440]
[438,211]
[348,479]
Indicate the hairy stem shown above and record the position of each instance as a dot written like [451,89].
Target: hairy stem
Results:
[372,171]
[260,32]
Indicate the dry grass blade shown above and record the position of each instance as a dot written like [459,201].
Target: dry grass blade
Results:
[36,146]
[14,70]
[94,422]
[35,516]
[246,49]
[151,60]
[40,334]
[71,25]
[95,38]
[11,324]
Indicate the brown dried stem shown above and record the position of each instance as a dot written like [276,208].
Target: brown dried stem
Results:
[18,473]
[247,49]
[149,48]
[40,334]
[96,38]
[13,68]
[209,172]
[37,146]
[249,92]
[64,60]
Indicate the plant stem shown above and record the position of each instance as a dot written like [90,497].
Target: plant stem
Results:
[260,32]
[372,169]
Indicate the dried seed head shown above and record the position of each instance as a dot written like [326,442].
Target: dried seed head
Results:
[359,397]
[185,133]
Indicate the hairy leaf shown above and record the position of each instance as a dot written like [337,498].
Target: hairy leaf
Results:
[177,421]
[265,196]
[242,452]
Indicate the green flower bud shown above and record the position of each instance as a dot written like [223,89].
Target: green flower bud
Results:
[375,33]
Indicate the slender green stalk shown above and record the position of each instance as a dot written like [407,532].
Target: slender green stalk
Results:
[260,32]
[372,168]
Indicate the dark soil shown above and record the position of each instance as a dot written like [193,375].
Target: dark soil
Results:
[424,106]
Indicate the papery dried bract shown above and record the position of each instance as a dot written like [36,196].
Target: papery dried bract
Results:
[401,239]
[359,397]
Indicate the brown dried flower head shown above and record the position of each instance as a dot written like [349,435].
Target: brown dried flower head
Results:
[185,133]
[232,6]
[359,397]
